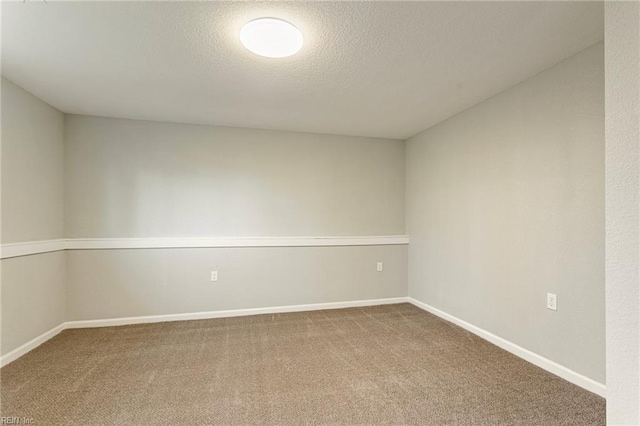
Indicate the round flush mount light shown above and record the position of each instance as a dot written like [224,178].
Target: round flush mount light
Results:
[271,37]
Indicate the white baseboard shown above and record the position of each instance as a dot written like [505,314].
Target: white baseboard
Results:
[32,344]
[542,362]
[231,313]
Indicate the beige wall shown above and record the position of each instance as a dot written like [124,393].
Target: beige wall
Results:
[505,202]
[622,46]
[32,172]
[124,283]
[32,292]
[129,178]
[33,297]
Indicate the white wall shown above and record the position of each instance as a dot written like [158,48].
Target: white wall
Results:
[127,178]
[505,202]
[32,288]
[622,47]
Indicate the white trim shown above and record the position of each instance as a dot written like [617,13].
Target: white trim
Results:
[232,313]
[136,243]
[36,247]
[18,352]
[30,345]
[31,247]
[542,362]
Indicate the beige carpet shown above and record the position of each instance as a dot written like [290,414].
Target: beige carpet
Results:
[391,364]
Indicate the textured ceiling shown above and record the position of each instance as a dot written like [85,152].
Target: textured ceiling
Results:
[367,68]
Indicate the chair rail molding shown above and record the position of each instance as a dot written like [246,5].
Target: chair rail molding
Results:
[45,246]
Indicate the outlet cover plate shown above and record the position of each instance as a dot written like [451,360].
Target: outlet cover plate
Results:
[552,301]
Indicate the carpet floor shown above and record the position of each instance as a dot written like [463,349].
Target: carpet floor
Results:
[393,364]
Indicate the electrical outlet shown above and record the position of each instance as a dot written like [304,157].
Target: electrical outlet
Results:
[552,301]
[214,275]
[379,267]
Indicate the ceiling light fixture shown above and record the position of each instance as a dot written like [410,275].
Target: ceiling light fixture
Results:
[271,37]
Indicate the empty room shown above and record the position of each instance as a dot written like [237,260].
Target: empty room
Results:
[337,213]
